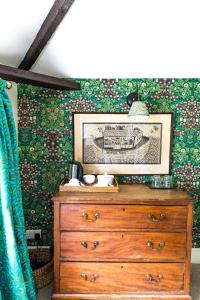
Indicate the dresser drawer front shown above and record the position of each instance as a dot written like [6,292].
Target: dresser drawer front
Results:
[105,217]
[132,277]
[102,246]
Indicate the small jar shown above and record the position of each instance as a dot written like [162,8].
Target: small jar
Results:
[156,181]
[167,182]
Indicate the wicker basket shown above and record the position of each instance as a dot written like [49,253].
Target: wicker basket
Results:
[44,275]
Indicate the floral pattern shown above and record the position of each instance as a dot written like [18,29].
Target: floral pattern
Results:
[45,136]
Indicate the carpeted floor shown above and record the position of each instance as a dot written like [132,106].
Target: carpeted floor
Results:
[45,293]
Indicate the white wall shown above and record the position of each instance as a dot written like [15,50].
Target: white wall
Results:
[195,257]
[129,38]
[108,38]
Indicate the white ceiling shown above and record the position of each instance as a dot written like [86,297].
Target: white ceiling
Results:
[107,38]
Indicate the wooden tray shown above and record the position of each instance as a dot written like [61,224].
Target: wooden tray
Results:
[89,188]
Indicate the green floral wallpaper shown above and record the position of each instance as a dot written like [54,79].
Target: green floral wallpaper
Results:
[45,136]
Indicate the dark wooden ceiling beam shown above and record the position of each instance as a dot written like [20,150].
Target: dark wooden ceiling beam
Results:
[17,75]
[53,19]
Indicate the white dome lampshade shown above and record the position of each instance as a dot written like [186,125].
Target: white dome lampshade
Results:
[138,108]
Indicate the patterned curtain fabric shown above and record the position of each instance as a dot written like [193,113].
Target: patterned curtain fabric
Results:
[16,281]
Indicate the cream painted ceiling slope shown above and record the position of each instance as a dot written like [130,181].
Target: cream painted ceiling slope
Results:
[107,38]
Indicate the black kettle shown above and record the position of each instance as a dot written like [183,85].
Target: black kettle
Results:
[75,170]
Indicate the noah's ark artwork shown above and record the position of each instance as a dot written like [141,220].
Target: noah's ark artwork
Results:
[122,143]
[118,144]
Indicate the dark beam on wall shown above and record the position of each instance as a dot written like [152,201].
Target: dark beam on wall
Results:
[53,19]
[17,75]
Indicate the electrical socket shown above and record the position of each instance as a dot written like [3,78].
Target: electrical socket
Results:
[30,234]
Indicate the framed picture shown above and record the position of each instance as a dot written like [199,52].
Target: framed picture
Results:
[114,143]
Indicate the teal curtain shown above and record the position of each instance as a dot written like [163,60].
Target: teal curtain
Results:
[16,281]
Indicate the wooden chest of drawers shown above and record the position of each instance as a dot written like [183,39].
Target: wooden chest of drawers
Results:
[128,245]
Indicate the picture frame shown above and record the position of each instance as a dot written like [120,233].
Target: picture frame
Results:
[115,143]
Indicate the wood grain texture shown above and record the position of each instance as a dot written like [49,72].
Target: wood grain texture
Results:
[122,246]
[121,277]
[56,246]
[49,26]
[122,217]
[118,297]
[93,188]
[128,194]
[122,226]
[188,248]
[17,75]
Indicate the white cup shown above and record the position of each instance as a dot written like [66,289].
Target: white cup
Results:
[74,182]
[89,179]
[105,179]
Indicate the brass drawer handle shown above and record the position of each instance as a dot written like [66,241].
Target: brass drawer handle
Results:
[160,246]
[86,217]
[153,280]
[86,277]
[85,244]
[157,219]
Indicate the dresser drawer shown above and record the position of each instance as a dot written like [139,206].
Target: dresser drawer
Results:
[135,277]
[111,217]
[102,246]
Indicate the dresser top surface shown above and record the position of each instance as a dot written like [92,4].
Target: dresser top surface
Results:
[130,193]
